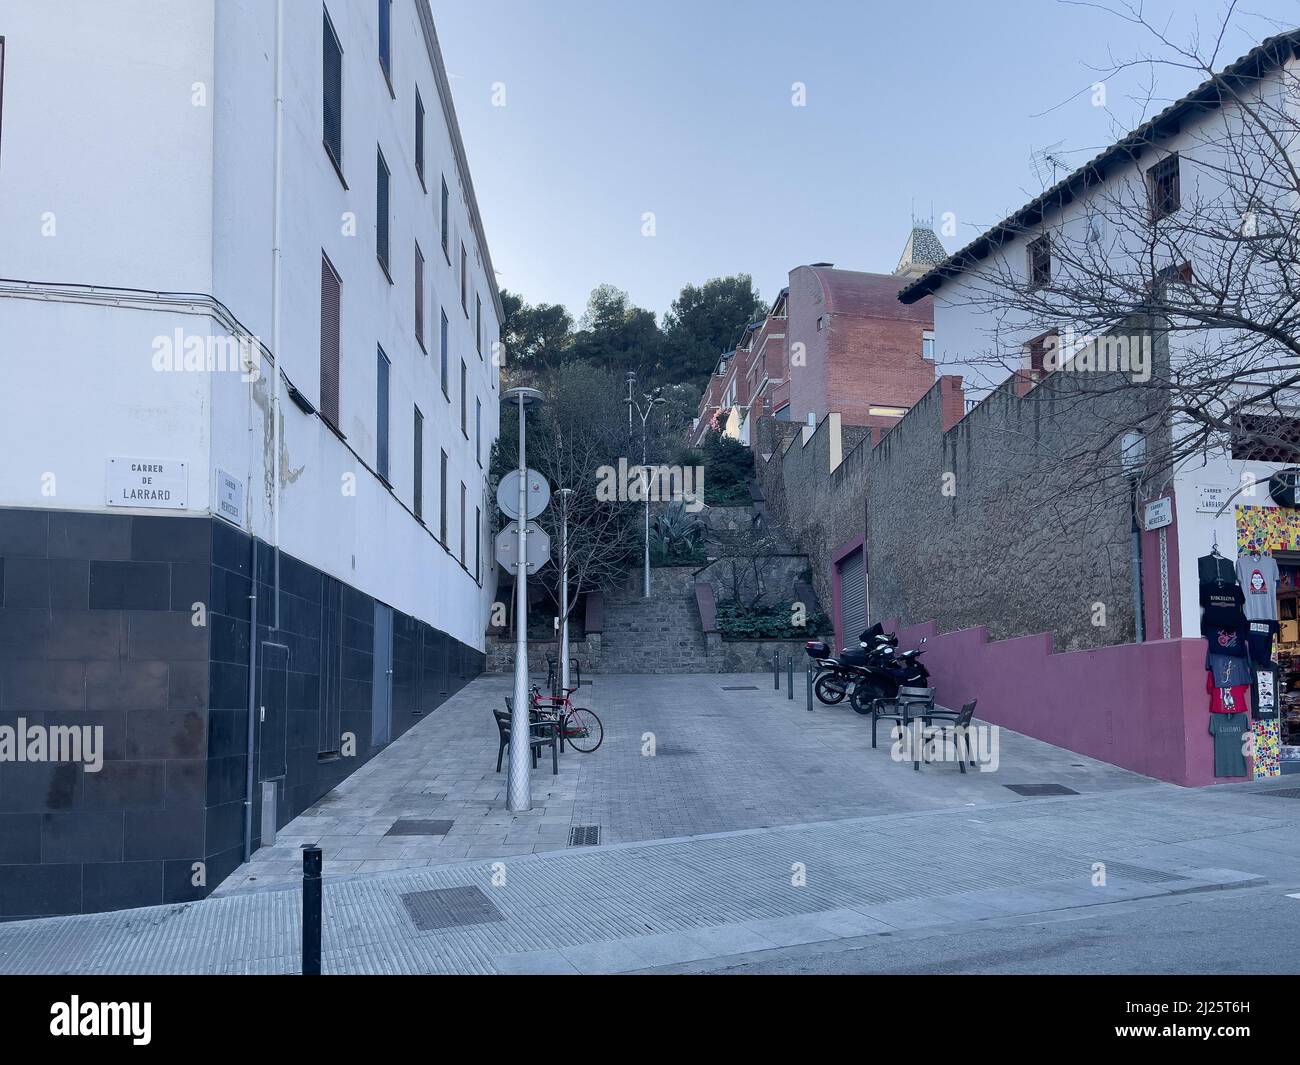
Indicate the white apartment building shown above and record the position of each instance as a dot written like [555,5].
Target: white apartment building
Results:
[246,297]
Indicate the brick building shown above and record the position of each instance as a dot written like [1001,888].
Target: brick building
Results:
[834,341]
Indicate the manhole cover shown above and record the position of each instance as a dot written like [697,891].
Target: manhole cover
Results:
[1281,793]
[419,828]
[1040,789]
[741,688]
[584,835]
[450,908]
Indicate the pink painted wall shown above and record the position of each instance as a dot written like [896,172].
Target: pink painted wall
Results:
[1139,706]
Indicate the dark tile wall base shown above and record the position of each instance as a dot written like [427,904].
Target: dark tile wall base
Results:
[97,627]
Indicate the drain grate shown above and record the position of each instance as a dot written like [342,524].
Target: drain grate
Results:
[1281,793]
[584,835]
[1040,789]
[450,908]
[741,688]
[419,828]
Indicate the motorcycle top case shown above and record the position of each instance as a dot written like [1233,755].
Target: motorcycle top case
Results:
[817,649]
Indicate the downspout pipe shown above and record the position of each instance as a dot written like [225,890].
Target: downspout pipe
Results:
[250,771]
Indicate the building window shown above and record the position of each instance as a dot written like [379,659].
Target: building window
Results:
[821,319]
[478,323]
[478,544]
[386,40]
[446,224]
[1163,187]
[464,418]
[1038,350]
[419,465]
[419,297]
[331,294]
[442,502]
[419,139]
[1040,262]
[464,281]
[381,415]
[446,388]
[333,92]
[927,345]
[478,431]
[462,523]
[381,211]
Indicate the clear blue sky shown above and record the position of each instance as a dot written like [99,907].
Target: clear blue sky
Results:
[683,108]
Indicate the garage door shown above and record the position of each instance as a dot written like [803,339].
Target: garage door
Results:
[853,596]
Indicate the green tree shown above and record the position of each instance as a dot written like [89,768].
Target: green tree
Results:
[616,335]
[538,337]
[703,322]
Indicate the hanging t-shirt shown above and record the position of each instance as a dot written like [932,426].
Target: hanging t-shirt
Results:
[1225,639]
[1258,577]
[1227,671]
[1259,638]
[1229,732]
[1214,567]
[1265,695]
[1234,700]
[1222,596]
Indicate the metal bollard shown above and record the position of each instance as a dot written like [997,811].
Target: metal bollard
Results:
[789,676]
[810,688]
[776,670]
[311,909]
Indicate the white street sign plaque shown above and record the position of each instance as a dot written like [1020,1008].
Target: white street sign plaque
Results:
[159,483]
[538,498]
[538,547]
[230,498]
[1159,513]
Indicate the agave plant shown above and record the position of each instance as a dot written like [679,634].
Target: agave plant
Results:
[677,536]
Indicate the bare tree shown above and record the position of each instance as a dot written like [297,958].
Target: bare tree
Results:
[1159,282]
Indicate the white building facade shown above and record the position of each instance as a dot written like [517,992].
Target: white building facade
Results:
[249,324]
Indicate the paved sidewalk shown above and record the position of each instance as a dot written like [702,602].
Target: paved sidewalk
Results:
[643,905]
[729,753]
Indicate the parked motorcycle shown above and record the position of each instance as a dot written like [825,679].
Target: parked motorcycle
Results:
[836,677]
[885,673]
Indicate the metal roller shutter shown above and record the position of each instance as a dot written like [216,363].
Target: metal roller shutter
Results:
[853,597]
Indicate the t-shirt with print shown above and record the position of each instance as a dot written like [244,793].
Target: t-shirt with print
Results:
[1258,577]
[1259,638]
[1222,596]
[1235,700]
[1229,732]
[1227,671]
[1225,639]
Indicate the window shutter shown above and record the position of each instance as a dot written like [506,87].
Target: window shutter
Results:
[446,229]
[333,95]
[330,300]
[419,297]
[381,209]
[446,387]
[381,415]
[442,502]
[419,464]
[419,136]
[463,417]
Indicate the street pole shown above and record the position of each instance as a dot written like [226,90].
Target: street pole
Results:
[645,483]
[519,788]
[564,586]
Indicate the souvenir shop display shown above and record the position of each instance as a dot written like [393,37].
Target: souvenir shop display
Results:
[1232,649]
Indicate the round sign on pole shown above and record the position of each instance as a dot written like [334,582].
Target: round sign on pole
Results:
[539,494]
[538,547]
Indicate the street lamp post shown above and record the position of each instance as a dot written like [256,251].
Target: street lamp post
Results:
[652,400]
[519,795]
[564,493]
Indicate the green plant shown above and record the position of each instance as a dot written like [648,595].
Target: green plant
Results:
[728,469]
[737,621]
[676,537]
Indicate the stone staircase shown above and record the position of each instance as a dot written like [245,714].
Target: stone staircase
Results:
[658,635]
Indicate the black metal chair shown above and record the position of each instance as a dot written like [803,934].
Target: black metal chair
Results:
[542,733]
[910,704]
[957,722]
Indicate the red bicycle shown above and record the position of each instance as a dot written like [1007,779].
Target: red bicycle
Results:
[578,726]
